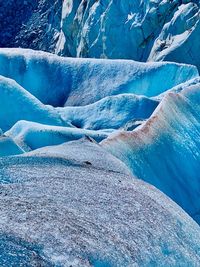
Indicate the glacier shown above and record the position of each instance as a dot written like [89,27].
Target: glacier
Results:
[31,135]
[9,147]
[99,133]
[13,98]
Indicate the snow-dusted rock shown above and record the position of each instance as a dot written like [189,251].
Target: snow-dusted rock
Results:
[30,23]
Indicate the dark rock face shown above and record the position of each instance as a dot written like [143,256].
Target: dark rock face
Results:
[30,23]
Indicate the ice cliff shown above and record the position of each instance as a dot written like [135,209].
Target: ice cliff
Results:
[143,30]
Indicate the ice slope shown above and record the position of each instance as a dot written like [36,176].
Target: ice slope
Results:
[9,147]
[65,81]
[111,112]
[139,30]
[178,88]
[17,104]
[32,135]
[164,151]
[78,214]
[113,29]
[16,252]
[84,151]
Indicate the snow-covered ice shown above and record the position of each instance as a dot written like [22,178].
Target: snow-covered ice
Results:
[71,210]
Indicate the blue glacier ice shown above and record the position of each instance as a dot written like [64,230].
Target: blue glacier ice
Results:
[164,151]
[31,135]
[61,81]
[16,104]
[9,147]
[48,100]
[178,40]
[151,30]
[100,154]
[16,252]
[108,113]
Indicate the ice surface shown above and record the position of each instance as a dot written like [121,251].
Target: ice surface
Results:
[164,151]
[140,30]
[17,104]
[85,152]
[73,213]
[179,38]
[16,252]
[65,81]
[69,202]
[9,147]
[32,135]
[108,113]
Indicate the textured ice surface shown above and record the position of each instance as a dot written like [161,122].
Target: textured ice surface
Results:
[164,151]
[139,30]
[65,81]
[179,38]
[84,151]
[104,114]
[32,135]
[108,113]
[75,204]
[77,214]
[17,252]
